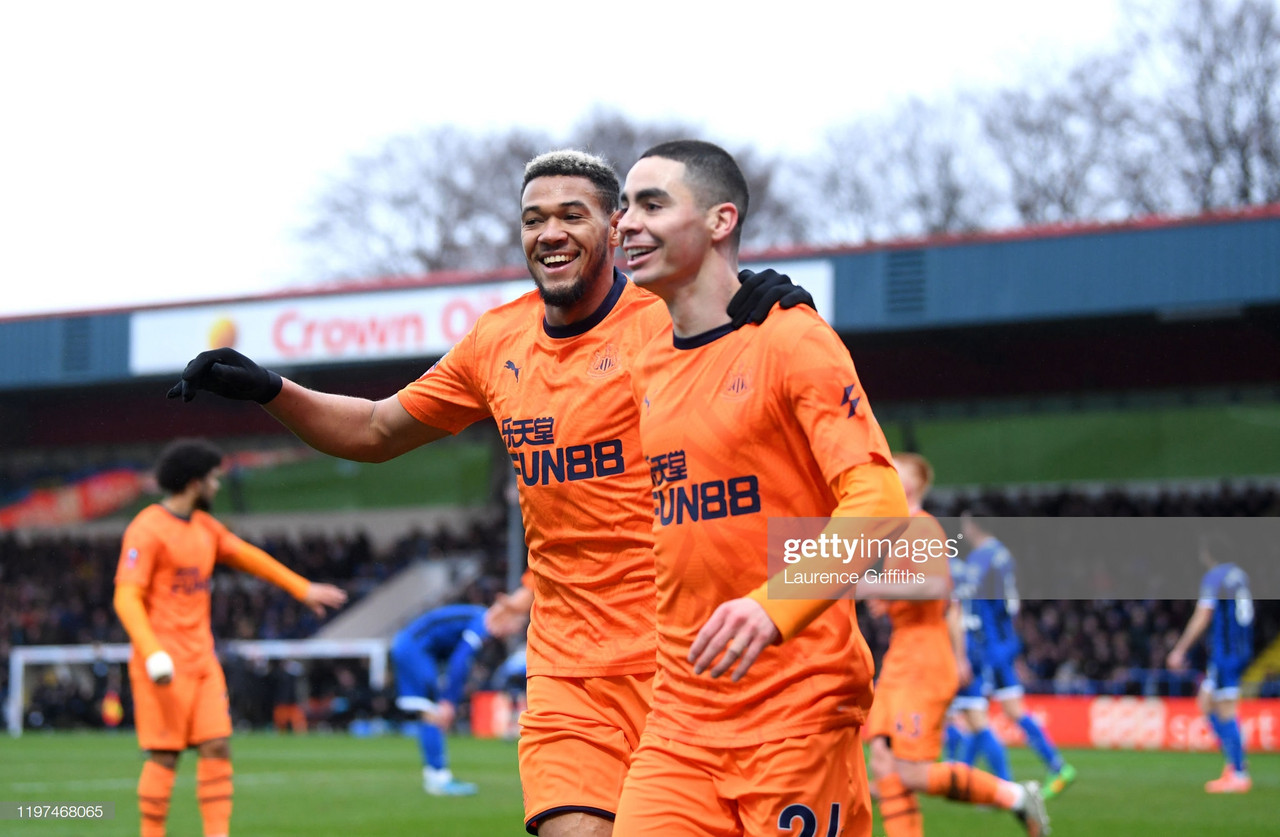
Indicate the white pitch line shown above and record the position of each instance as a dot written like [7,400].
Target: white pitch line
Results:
[75,786]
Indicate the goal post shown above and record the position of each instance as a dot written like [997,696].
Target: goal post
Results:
[23,656]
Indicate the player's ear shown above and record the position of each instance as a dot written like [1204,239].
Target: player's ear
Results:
[615,237]
[721,220]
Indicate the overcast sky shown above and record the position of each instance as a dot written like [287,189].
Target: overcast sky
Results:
[160,152]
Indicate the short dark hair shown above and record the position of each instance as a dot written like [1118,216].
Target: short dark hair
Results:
[570,162]
[184,460]
[712,174]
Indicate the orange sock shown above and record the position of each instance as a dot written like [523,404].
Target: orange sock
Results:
[155,789]
[968,784]
[213,792]
[899,808]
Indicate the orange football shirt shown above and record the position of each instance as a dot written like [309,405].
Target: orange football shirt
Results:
[172,560]
[920,644]
[561,397]
[737,427]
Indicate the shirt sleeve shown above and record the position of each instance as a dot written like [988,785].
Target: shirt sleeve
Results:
[825,395]
[138,550]
[244,556]
[872,490]
[132,611]
[1009,580]
[448,395]
[1209,589]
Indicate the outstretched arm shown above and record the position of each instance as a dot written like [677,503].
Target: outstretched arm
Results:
[315,595]
[349,427]
[339,425]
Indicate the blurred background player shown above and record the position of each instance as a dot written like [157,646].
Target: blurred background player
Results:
[992,589]
[162,598]
[446,637]
[551,369]
[917,680]
[1225,608]
[969,736]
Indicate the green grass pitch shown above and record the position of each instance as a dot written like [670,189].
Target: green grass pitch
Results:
[330,784]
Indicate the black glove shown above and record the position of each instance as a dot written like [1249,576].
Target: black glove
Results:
[760,291]
[230,374]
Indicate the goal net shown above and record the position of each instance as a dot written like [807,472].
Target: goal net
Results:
[79,661]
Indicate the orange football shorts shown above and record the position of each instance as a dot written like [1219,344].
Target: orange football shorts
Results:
[911,717]
[190,710]
[576,741]
[813,784]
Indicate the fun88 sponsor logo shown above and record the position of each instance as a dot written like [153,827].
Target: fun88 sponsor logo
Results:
[675,501]
[538,461]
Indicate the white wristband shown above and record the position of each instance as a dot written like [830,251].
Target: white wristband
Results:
[159,665]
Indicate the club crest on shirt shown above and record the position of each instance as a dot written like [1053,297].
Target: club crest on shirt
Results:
[737,385]
[604,361]
[131,558]
[433,366]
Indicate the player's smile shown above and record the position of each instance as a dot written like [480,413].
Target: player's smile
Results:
[557,263]
[636,254]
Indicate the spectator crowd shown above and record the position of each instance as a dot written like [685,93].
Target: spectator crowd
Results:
[57,589]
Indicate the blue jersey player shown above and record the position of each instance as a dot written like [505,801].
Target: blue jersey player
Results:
[969,733]
[993,594]
[1225,609]
[447,637]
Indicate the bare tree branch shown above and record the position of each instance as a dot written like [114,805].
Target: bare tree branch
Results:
[1224,101]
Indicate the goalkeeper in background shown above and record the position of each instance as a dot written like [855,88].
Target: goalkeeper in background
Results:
[162,599]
